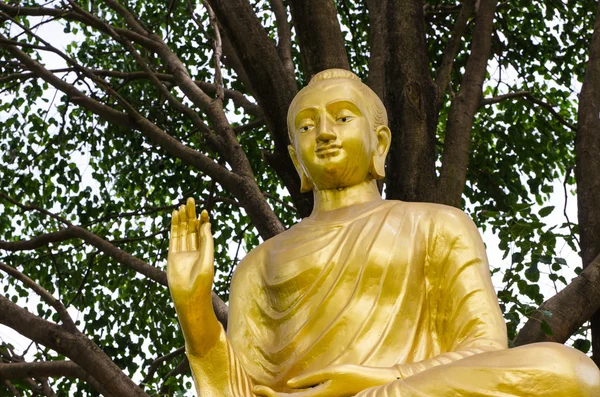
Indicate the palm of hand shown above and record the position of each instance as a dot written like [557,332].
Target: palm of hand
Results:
[190,269]
[336,381]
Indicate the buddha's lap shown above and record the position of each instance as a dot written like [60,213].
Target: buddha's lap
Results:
[541,369]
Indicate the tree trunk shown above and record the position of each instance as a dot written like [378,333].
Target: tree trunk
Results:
[319,35]
[410,98]
[587,171]
[377,46]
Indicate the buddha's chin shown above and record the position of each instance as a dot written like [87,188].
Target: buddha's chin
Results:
[332,171]
[336,178]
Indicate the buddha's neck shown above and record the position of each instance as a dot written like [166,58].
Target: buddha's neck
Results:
[328,201]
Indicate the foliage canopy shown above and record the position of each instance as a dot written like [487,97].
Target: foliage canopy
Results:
[108,126]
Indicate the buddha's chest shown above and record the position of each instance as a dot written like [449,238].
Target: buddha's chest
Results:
[343,304]
[344,269]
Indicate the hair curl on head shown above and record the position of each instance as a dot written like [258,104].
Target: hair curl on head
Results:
[376,110]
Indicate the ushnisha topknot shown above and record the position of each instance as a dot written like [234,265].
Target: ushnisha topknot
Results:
[376,111]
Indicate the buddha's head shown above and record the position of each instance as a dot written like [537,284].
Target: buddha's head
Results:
[338,132]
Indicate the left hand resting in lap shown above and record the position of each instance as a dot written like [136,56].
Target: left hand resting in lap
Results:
[336,381]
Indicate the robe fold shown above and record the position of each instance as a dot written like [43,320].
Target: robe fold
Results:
[395,284]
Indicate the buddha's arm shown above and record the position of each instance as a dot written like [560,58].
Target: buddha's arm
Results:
[463,303]
[216,368]
[190,272]
[218,372]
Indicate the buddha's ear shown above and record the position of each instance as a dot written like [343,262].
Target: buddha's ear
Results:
[383,140]
[306,184]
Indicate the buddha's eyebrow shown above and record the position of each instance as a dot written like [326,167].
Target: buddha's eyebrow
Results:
[336,105]
[305,113]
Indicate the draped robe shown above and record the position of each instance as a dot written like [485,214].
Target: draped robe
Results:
[395,284]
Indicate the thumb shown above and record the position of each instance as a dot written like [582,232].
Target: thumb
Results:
[263,391]
[207,244]
[309,379]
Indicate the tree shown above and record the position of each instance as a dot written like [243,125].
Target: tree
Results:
[159,101]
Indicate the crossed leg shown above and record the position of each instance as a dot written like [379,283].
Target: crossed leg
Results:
[541,369]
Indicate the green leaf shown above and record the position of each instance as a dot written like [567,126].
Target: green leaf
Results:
[544,212]
[583,345]
[546,329]
[532,273]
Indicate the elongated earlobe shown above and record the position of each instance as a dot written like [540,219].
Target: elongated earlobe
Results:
[306,184]
[377,166]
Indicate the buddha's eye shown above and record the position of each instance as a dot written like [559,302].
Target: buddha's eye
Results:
[344,117]
[305,128]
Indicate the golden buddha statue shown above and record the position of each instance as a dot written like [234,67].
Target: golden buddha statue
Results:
[365,297]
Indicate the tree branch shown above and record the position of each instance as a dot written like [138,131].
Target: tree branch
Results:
[45,295]
[156,363]
[38,241]
[527,95]
[229,149]
[213,107]
[218,51]
[569,309]
[120,256]
[48,369]
[284,33]
[238,129]
[70,15]
[33,207]
[134,121]
[182,367]
[245,188]
[445,71]
[264,69]
[215,143]
[455,159]
[11,387]
[74,345]
[237,97]
[500,98]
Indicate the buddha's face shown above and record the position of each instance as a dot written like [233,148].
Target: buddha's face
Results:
[333,137]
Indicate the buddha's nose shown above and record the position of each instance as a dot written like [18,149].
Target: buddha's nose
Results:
[325,132]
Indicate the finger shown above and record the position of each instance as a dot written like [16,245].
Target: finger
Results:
[264,391]
[203,216]
[322,390]
[191,208]
[204,267]
[309,379]
[207,248]
[192,237]
[183,225]
[174,238]
[192,228]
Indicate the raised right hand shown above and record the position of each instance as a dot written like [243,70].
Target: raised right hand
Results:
[190,263]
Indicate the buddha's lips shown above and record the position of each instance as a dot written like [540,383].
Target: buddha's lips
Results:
[328,147]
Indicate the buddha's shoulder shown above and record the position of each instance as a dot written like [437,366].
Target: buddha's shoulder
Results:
[251,264]
[427,212]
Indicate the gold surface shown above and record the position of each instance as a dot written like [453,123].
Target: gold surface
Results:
[365,297]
